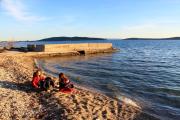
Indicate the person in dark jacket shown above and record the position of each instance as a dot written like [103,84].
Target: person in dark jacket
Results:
[48,84]
[64,82]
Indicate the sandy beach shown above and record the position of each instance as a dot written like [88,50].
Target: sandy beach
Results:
[20,101]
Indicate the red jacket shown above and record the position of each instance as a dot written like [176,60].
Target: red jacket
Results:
[35,81]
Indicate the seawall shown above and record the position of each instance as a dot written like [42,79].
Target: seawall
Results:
[52,50]
[70,47]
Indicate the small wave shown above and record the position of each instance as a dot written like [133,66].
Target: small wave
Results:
[128,101]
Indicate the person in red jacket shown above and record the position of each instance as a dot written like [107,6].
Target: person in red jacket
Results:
[38,79]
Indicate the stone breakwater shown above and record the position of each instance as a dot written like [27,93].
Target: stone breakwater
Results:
[54,50]
[70,47]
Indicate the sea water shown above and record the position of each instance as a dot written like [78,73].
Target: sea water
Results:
[145,73]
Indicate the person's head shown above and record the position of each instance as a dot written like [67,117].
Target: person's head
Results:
[38,73]
[61,75]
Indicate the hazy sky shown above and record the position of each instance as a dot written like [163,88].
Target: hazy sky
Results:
[36,19]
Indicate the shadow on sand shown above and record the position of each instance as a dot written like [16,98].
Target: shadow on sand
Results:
[52,108]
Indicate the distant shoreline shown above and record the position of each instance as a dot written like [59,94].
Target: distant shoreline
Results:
[171,38]
[70,38]
[91,38]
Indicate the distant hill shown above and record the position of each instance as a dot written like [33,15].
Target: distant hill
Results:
[70,38]
[172,38]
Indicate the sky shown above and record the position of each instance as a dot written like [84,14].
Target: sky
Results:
[37,19]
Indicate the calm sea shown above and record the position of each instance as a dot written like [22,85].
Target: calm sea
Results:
[145,71]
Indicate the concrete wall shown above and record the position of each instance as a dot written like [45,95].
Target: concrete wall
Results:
[72,47]
[40,48]
[77,47]
[31,47]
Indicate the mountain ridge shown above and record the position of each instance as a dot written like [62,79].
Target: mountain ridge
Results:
[69,38]
[170,38]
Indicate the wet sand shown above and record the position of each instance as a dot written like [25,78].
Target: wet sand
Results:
[20,101]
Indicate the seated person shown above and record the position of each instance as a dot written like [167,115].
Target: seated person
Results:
[48,84]
[38,79]
[64,83]
[42,82]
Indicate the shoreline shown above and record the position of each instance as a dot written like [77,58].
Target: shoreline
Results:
[120,99]
[21,101]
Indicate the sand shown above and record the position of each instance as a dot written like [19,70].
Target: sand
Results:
[19,101]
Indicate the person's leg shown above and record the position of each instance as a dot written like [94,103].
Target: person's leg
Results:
[69,85]
[47,85]
[41,84]
[52,83]
[61,86]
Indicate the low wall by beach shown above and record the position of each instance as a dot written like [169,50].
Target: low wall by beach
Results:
[70,47]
